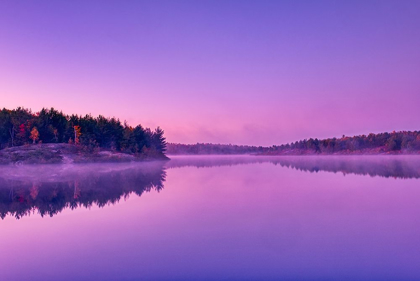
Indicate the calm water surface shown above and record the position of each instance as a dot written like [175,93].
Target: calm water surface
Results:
[213,218]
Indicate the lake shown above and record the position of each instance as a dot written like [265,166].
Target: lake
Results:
[213,218]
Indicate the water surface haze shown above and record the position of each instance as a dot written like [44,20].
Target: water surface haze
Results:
[213,218]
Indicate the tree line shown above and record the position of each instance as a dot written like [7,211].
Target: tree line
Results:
[210,148]
[394,142]
[21,126]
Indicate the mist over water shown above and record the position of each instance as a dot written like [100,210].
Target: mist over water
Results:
[396,166]
[212,218]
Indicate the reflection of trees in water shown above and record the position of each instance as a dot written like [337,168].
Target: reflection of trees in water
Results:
[48,189]
[383,166]
[48,196]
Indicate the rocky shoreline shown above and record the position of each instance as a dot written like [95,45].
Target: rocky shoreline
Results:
[61,153]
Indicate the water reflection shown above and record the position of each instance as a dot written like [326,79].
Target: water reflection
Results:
[383,166]
[241,221]
[50,189]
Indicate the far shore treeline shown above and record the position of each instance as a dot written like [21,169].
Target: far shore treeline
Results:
[21,126]
[404,142]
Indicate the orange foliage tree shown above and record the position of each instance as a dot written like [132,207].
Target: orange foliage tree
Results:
[77,134]
[34,135]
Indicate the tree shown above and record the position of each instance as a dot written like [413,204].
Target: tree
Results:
[34,135]
[22,133]
[159,140]
[77,134]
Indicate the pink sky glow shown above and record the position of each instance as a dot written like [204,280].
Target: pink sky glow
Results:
[243,72]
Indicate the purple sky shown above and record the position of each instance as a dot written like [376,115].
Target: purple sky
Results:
[246,72]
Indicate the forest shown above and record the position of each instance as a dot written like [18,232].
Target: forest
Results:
[23,127]
[404,142]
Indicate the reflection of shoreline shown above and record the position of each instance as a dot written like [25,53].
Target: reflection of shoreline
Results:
[23,190]
[208,161]
[48,189]
[403,167]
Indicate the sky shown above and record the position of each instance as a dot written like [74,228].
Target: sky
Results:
[240,72]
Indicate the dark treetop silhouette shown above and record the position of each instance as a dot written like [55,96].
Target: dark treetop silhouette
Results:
[20,126]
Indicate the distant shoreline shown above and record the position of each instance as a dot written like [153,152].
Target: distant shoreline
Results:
[403,142]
